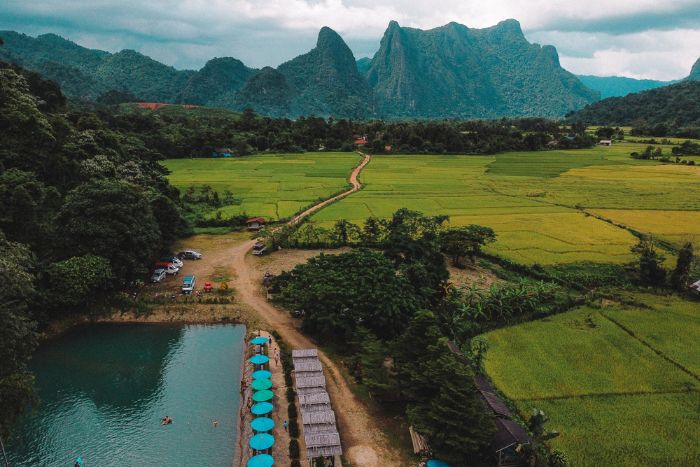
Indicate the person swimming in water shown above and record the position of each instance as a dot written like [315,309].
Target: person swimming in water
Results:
[166,420]
[215,423]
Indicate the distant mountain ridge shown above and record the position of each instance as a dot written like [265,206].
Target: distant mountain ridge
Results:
[677,105]
[618,86]
[448,72]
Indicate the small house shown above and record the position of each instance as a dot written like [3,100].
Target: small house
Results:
[605,142]
[360,140]
[222,152]
[255,223]
[695,286]
[387,148]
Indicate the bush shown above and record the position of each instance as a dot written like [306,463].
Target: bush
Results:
[295,463]
[292,412]
[294,449]
[294,430]
[290,394]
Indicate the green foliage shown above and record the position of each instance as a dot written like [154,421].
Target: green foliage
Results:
[651,271]
[466,241]
[78,281]
[112,220]
[18,337]
[618,86]
[672,106]
[681,274]
[341,293]
[294,449]
[443,403]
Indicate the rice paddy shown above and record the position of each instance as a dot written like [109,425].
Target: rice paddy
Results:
[544,206]
[273,186]
[621,384]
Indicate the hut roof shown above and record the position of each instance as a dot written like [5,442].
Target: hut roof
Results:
[324,417]
[314,399]
[420,442]
[508,433]
[307,374]
[482,384]
[307,364]
[304,353]
[313,390]
[496,404]
[311,382]
[322,444]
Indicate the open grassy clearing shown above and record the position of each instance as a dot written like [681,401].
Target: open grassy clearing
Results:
[620,383]
[272,185]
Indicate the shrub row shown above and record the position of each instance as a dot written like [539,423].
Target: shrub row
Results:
[293,421]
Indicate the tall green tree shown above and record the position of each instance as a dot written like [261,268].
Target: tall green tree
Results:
[18,336]
[461,242]
[681,274]
[651,271]
[113,220]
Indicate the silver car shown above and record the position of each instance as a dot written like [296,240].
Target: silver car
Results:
[158,275]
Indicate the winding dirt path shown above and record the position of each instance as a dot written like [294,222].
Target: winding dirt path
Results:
[363,443]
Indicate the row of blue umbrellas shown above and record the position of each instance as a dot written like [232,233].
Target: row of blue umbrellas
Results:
[261,441]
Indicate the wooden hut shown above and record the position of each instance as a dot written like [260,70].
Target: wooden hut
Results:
[507,441]
[322,445]
[319,422]
[316,402]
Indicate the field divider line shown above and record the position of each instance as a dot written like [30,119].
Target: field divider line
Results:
[652,348]
[609,394]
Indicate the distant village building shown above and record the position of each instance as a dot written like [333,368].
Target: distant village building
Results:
[255,223]
[605,142]
[387,148]
[222,152]
[695,286]
[360,140]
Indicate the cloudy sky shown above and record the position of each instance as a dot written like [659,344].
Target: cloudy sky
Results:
[658,39]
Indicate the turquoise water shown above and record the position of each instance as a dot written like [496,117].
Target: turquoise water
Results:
[105,388]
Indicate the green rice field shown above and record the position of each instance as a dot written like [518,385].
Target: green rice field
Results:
[273,186]
[546,207]
[621,384]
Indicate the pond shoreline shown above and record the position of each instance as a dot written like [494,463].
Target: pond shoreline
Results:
[199,314]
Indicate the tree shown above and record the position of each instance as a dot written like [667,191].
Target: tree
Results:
[340,294]
[345,232]
[113,220]
[18,336]
[374,231]
[78,281]
[467,241]
[651,271]
[681,275]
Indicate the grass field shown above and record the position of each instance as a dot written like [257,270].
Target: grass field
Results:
[538,202]
[621,384]
[272,185]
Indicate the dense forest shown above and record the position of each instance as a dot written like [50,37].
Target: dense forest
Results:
[668,111]
[85,209]
[177,132]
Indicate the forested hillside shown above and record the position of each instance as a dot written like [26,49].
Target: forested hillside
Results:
[618,86]
[85,209]
[676,106]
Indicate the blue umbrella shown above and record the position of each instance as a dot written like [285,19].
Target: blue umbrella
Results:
[261,408]
[262,396]
[259,359]
[437,463]
[259,341]
[261,441]
[261,460]
[261,374]
[262,424]
[260,384]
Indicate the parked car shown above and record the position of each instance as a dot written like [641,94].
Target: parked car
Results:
[172,259]
[188,284]
[158,275]
[169,268]
[189,254]
[259,249]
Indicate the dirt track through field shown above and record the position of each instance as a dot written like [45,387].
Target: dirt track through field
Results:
[363,443]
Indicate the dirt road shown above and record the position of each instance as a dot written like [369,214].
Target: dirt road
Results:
[363,443]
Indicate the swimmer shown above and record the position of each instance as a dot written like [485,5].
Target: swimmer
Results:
[166,420]
[215,423]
